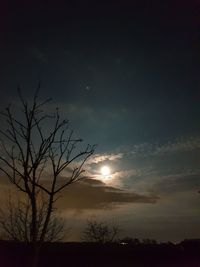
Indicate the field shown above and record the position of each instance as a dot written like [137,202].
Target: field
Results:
[13,254]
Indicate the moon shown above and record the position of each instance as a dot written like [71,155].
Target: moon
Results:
[105,171]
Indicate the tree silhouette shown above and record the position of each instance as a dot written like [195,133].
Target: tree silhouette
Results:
[35,143]
[100,232]
[15,221]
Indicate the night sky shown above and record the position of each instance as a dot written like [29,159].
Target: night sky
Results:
[126,74]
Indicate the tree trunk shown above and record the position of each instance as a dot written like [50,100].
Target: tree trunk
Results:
[34,220]
[45,226]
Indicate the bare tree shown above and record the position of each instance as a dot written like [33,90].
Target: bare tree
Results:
[16,219]
[100,232]
[35,143]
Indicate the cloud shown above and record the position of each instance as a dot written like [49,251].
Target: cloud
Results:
[124,174]
[164,183]
[88,194]
[178,146]
[180,182]
[118,178]
[94,194]
[150,167]
[103,157]
[181,145]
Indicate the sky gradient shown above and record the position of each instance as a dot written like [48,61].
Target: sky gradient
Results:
[127,77]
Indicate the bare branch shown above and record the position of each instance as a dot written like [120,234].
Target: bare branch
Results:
[28,150]
[100,232]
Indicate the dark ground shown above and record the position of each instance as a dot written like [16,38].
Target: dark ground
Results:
[86,255]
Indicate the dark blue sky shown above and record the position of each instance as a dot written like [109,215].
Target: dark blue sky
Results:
[127,75]
[142,58]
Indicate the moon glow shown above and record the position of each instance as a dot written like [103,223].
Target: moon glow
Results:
[105,171]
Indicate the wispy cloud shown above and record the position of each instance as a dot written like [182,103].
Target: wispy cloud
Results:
[118,178]
[146,165]
[179,145]
[180,182]
[104,157]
